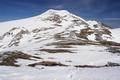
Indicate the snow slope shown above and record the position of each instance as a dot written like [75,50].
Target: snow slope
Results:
[58,73]
[116,34]
[43,28]
[59,36]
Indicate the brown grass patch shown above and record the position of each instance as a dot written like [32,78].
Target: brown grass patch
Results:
[47,63]
[55,50]
[9,58]
[63,46]
[109,43]
[113,49]
[106,31]
[58,36]
[74,42]
[69,43]
[109,64]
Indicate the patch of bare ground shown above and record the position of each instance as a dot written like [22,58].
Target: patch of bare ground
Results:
[51,58]
[109,64]
[109,43]
[68,61]
[68,43]
[9,58]
[53,63]
[58,36]
[56,50]
[86,42]
[84,33]
[47,63]
[63,46]
[113,49]
[72,42]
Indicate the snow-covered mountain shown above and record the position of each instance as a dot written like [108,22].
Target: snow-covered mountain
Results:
[51,26]
[58,38]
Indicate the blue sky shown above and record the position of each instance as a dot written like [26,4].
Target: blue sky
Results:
[107,11]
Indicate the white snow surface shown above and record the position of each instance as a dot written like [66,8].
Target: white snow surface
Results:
[59,73]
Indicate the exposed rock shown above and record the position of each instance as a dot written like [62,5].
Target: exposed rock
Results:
[54,18]
[85,32]
[113,49]
[16,39]
[47,63]
[36,30]
[109,43]
[9,58]
[111,64]
[56,50]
